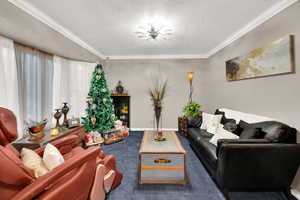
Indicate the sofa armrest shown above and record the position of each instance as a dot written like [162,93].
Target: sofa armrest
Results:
[48,180]
[64,145]
[257,166]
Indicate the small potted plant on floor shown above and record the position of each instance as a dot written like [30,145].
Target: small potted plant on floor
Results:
[192,113]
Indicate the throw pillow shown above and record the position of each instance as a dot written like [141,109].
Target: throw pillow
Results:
[34,162]
[52,157]
[240,127]
[224,120]
[213,123]
[230,126]
[244,125]
[222,134]
[205,119]
[218,112]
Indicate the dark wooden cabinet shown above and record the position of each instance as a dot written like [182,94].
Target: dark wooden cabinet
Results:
[122,108]
[182,126]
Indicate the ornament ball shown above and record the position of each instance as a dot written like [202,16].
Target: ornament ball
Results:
[93,120]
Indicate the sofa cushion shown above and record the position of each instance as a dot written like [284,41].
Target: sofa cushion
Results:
[274,131]
[252,133]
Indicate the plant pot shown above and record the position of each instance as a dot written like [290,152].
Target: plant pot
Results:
[194,122]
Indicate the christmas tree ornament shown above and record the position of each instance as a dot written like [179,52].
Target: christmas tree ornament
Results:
[103,90]
[104,100]
[90,100]
[94,106]
[93,120]
[97,77]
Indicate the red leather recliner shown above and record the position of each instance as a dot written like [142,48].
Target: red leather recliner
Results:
[85,174]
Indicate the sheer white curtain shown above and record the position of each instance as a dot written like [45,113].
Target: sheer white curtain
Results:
[8,79]
[35,83]
[71,84]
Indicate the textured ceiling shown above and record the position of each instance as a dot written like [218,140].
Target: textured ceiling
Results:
[108,25]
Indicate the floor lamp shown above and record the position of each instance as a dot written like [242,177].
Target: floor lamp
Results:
[190,77]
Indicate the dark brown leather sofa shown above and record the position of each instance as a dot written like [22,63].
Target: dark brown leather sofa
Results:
[268,162]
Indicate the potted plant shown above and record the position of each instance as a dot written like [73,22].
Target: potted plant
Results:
[192,112]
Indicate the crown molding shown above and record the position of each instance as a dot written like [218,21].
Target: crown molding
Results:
[274,10]
[36,13]
[33,11]
[136,57]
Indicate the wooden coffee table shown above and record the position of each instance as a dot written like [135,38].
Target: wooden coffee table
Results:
[162,162]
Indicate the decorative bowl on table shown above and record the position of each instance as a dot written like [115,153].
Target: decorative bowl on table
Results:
[159,138]
[36,129]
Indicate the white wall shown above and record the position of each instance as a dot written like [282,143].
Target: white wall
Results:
[135,75]
[276,97]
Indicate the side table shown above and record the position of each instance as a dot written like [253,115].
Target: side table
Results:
[182,126]
[26,142]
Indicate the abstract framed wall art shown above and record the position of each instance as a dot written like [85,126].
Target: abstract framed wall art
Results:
[275,58]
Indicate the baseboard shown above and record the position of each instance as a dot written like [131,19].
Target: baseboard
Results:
[152,129]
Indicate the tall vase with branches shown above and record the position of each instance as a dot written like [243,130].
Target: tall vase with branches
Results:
[157,95]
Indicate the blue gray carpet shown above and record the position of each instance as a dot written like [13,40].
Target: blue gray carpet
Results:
[200,186]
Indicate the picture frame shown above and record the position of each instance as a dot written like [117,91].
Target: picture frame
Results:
[275,58]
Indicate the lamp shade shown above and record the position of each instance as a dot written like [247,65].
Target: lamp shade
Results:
[190,76]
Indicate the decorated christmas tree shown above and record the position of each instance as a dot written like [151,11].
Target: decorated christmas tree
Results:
[100,111]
